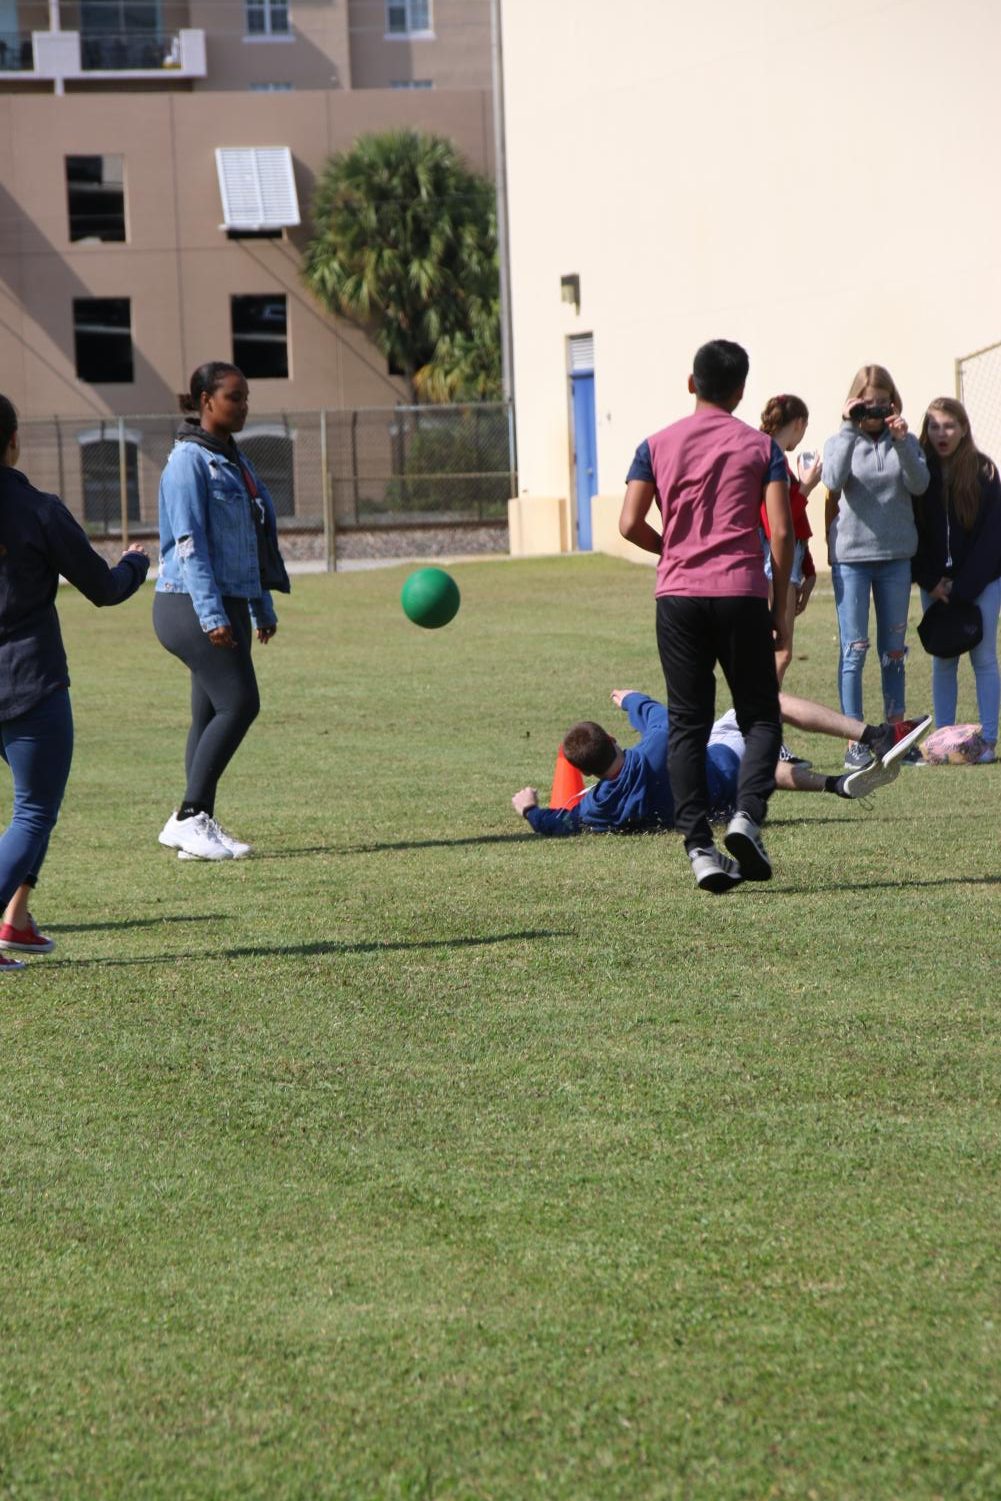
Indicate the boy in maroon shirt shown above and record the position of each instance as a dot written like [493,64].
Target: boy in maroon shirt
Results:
[709,474]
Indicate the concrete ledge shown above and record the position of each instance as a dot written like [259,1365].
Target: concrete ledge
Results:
[538,525]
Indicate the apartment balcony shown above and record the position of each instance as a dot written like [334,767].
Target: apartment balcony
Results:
[68,56]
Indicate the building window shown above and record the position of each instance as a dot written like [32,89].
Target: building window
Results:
[99,467]
[412,83]
[267,18]
[95,189]
[408,17]
[102,337]
[119,17]
[271,88]
[260,336]
[271,450]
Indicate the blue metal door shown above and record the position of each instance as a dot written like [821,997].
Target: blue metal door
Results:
[585,452]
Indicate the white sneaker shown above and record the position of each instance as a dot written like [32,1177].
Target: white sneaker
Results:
[743,840]
[238,850]
[196,838]
[876,774]
[714,871]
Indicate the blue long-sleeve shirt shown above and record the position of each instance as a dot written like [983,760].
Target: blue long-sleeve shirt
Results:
[39,540]
[640,797]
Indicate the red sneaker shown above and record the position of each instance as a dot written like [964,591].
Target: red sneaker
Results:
[26,940]
[10,966]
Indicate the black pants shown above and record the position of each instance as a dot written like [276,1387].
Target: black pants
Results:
[224,697]
[693,634]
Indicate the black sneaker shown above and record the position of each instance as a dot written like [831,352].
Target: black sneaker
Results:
[896,740]
[786,755]
[743,840]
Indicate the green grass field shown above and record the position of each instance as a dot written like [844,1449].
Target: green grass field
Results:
[417,1157]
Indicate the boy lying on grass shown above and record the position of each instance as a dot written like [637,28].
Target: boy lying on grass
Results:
[633,790]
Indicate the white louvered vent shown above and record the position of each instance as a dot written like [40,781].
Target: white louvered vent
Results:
[581,354]
[257,186]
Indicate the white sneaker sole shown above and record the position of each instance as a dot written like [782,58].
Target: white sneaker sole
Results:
[211,859]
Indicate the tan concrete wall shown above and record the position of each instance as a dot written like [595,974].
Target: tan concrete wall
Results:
[456,56]
[806,179]
[178,267]
[316,55]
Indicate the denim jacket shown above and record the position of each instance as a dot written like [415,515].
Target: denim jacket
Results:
[208,541]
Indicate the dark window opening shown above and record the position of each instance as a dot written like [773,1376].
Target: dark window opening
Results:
[95,189]
[102,497]
[260,336]
[102,336]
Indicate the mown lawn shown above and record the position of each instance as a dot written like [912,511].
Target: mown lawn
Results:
[420,1158]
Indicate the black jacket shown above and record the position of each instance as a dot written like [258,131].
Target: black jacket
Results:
[39,540]
[976,554]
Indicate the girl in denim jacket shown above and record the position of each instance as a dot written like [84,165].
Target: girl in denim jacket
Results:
[218,550]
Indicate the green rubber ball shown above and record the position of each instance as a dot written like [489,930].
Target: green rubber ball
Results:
[430,598]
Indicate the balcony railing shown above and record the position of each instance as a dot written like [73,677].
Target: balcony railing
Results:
[16,54]
[128,51]
[61,55]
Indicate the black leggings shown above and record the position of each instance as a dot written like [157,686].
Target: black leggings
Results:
[224,697]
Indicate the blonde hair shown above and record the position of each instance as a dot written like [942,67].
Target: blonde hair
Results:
[876,375]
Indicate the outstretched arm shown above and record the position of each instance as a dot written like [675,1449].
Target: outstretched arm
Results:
[70,551]
[550,821]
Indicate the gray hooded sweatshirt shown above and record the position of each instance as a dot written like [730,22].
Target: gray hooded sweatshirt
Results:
[876,477]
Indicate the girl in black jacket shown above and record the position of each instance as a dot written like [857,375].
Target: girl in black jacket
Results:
[959,554]
[39,540]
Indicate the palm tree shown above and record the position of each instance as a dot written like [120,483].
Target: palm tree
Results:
[405,247]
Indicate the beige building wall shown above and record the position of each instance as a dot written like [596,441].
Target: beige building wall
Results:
[454,54]
[316,54]
[178,267]
[806,178]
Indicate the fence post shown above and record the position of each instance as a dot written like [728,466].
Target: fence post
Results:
[329,521]
[123,482]
[61,462]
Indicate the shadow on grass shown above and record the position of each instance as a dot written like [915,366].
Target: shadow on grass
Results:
[403,844]
[133,922]
[909,883]
[311,950]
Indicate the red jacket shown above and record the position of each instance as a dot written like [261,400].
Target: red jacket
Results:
[801,527]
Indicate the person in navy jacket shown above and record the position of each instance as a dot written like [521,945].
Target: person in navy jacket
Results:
[39,541]
[959,555]
[633,791]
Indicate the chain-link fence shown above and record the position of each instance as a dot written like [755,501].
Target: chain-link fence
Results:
[327,472]
[978,387]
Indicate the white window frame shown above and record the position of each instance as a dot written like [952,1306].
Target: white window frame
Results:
[269,34]
[410,32]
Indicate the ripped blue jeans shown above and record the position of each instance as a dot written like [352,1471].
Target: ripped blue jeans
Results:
[889,583]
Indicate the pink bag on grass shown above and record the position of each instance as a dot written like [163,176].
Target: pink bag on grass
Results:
[954,745]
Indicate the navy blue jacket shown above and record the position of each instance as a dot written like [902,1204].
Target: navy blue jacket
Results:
[39,540]
[976,554]
[640,797]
